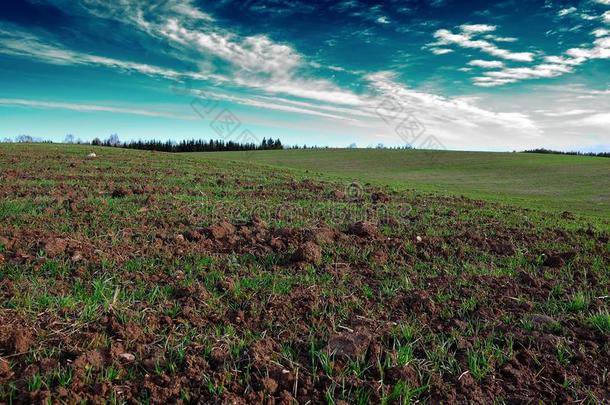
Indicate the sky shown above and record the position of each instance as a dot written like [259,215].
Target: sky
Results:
[462,75]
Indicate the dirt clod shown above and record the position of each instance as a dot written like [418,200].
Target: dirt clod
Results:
[320,235]
[221,230]
[541,320]
[380,257]
[270,385]
[502,248]
[380,197]
[554,261]
[309,252]
[338,195]
[364,229]
[121,192]
[350,344]
[91,359]
[55,247]
[22,339]
[5,369]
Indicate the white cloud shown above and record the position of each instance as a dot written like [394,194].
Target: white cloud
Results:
[500,39]
[451,115]
[440,51]
[477,28]
[567,113]
[553,66]
[255,54]
[487,64]
[565,11]
[18,43]
[138,12]
[465,40]
[186,8]
[600,32]
[606,17]
[605,2]
[383,20]
[512,75]
[601,120]
[90,108]
[257,61]
[600,50]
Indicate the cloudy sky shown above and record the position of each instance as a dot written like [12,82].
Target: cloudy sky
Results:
[476,75]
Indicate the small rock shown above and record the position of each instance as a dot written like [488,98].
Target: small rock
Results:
[127,357]
[91,156]
[418,239]
[77,257]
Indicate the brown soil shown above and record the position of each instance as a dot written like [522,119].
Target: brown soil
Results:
[223,311]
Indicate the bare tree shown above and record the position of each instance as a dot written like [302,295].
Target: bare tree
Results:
[69,138]
[24,139]
[113,140]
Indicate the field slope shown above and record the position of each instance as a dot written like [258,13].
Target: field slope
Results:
[573,183]
[153,278]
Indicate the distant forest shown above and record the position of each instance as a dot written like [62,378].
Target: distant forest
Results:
[193,145]
[555,152]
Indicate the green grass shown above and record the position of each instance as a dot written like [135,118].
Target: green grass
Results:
[206,318]
[575,183]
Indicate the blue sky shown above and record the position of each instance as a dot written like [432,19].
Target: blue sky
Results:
[475,75]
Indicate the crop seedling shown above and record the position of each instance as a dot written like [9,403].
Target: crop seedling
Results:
[601,321]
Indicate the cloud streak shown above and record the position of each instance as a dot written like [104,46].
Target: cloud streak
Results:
[17,102]
[467,38]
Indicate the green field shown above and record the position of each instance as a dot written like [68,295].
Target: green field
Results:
[578,184]
[154,278]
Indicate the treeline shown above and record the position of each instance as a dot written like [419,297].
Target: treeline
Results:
[25,139]
[193,145]
[574,153]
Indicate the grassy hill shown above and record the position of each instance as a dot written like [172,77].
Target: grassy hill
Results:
[556,182]
[140,277]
